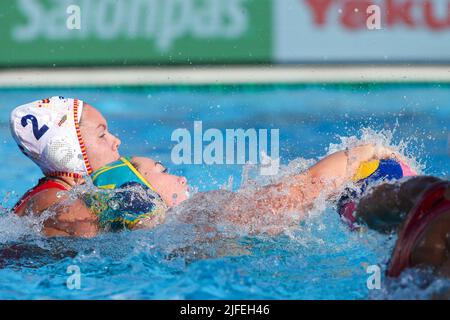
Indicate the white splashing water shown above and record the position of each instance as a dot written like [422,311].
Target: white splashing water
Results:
[13,228]
[381,138]
[211,207]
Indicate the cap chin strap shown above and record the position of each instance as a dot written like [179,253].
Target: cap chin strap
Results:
[80,138]
[82,147]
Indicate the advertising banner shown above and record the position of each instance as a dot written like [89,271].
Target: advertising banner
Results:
[55,33]
[122,32]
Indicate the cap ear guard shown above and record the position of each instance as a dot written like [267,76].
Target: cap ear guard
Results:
[134,198]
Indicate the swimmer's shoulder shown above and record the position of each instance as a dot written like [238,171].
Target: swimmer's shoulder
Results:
[71,218]
[39,197]
[53,196]
[41,201]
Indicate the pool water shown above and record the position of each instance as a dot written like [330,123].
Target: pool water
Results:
[321,259]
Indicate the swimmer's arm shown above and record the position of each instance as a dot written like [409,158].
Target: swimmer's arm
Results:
[385,208]
[340,167]
[265,209]
[68,217]
[285,203]
[325,178]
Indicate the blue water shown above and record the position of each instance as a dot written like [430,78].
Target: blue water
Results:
[321,259]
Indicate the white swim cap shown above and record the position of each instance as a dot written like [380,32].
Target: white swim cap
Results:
[47,131]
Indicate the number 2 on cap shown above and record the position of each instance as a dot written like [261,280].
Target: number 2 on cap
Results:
[38,133]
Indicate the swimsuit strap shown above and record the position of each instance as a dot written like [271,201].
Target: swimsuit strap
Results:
[43,184]
[432,205]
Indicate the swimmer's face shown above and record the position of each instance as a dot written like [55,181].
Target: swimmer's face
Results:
[172,189]
[101,146]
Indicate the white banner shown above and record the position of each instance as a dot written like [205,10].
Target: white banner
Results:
[356,30]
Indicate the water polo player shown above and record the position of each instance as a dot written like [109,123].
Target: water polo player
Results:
[141,192]
[67,139]
[418,209]
[268,209]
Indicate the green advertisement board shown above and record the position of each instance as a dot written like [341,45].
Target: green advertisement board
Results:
[130,32]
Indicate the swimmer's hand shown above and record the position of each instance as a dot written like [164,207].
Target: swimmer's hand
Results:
[357,155]
[67,217]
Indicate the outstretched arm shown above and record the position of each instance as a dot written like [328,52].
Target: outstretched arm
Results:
[269,206]
[325,178]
